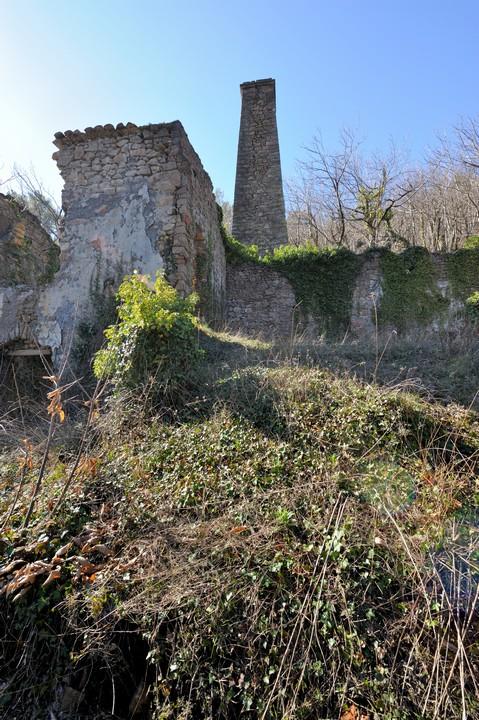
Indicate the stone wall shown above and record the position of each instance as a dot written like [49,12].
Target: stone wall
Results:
[258,211]
[28,260]
[262,302]
[28,255]
[135,198]
[366,297]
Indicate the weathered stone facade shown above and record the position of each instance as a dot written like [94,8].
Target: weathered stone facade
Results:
[138,199]
[258,212]
[135,198]
[367,297]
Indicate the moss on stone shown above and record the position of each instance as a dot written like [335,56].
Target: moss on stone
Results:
[53,265]
[472,242]
[410,292]
[463,272]
[472,307]
[236,252]
[323,282]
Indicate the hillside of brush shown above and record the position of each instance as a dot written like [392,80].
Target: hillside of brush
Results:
[284,540]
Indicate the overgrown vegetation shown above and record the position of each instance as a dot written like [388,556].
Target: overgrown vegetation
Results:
[290,543]
[154,340]
[410,291]
[472,307]
[463,272]
[323,279]
[53,265]
[90,333]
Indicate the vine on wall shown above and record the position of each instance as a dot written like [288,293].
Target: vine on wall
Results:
[463,272]
[410,292]
[324,280]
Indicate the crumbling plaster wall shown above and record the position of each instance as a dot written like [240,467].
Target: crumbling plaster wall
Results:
[135,198]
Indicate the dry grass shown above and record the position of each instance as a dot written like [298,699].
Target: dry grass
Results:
[286,543]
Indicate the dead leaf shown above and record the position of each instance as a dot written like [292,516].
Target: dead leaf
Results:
[239,529]
[103,550]
[350,714]
[354,714]
[55,407]
[88,466]
[61,552]
[21,594]
[54,575]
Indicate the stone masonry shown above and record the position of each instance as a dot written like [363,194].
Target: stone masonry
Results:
[258,212]
[135,199]
[27,252]
[138,199]
[28,259]
[261,302]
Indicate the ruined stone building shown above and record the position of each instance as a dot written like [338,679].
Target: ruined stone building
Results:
[28,261]
[139,199]
[135,199]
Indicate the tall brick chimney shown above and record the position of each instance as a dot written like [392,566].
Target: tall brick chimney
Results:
[258,212]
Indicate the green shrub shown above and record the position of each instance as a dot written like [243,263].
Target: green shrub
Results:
[472,307]
[472,242]
[463,271]
[236,252]
[154,339]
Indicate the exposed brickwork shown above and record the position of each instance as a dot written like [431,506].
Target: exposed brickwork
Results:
[258,213]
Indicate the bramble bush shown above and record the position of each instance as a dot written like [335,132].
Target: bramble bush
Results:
[154,340]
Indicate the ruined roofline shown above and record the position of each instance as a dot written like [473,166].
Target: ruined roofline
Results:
[73,137]
[252,83]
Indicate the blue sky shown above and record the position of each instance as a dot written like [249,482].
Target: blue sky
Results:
[399,69]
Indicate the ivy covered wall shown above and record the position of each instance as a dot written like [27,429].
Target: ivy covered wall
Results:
[331,292]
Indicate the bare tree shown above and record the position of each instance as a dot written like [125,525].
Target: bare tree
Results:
[226,207]
[343,199]
[466,145]
[29,191]
[443,212]
[324,188]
